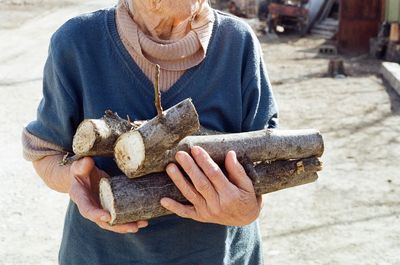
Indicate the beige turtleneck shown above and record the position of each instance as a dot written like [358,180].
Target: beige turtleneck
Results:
[174,56]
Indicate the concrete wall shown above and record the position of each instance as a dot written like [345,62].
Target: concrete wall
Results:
[392,8]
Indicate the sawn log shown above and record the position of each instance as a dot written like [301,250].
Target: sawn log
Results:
[130,200]
[96,137]
[138,150]
[262,145]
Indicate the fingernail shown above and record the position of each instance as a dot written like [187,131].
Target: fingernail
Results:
[164,202]
[179,156]
[171,169]
[195,150]
[234,155]
[104,218]
[142,225]
[131,231]
[80,166]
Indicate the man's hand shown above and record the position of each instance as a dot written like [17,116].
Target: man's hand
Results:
[84,192]
[214,197]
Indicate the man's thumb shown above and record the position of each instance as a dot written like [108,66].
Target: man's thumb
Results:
[82,167]
[236,173]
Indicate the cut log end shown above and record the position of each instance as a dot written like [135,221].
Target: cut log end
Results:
[107,198]
[85,137]
[130,151]
[130,200]
[143,150]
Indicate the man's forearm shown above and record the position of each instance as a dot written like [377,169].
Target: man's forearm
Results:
[55,176]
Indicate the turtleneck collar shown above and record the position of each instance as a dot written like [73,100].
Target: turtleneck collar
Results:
[174,54]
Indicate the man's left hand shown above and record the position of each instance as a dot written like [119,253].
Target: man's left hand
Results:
[215,198]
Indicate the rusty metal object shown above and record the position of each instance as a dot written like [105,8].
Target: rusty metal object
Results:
[288,16]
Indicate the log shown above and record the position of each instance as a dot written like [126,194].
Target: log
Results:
[262,145]
[96,137]
[138,150]
[130,200]
[336,68]
[106,140]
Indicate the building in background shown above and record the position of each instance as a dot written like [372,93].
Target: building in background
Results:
[359,21]
[388,40]
[392,11]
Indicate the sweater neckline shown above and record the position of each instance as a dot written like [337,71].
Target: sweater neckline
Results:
[138,74]
[171,55]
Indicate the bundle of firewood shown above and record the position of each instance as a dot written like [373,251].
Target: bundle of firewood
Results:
[273,159]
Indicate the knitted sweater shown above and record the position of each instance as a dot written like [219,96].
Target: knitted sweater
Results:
[174,57]
[89,70]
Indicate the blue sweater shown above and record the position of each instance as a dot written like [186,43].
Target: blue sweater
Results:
[88,70]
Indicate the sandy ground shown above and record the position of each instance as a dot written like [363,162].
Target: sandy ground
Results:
[350,216]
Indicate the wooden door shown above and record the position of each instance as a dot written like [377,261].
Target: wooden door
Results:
[359,21]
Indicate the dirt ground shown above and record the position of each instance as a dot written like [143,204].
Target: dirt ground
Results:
[351,215]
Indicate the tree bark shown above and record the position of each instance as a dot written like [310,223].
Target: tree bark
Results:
[97,137]
[138,150]
[130,200]
[262,145]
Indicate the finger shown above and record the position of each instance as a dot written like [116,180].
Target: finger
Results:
[187,189]
[199,180]
[92,212]
[86,205]
[82,167]
[210,169]
[142,223]
[184,211]
[121,229]
[237,174]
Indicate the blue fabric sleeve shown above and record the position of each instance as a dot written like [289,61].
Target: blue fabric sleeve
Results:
[259,106]
[58,114]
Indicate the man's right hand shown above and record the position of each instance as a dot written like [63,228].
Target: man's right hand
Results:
[84,191]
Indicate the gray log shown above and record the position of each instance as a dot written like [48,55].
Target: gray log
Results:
[96,137]
[141,149]
[262,145]
[130,200]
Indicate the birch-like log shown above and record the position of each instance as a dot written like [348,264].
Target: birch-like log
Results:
[140,149]
[130,200]
[262,145]
[96,137]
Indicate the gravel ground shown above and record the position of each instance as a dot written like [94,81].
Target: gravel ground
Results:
[349,216]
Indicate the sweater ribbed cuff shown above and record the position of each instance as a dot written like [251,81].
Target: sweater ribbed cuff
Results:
[35,148]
